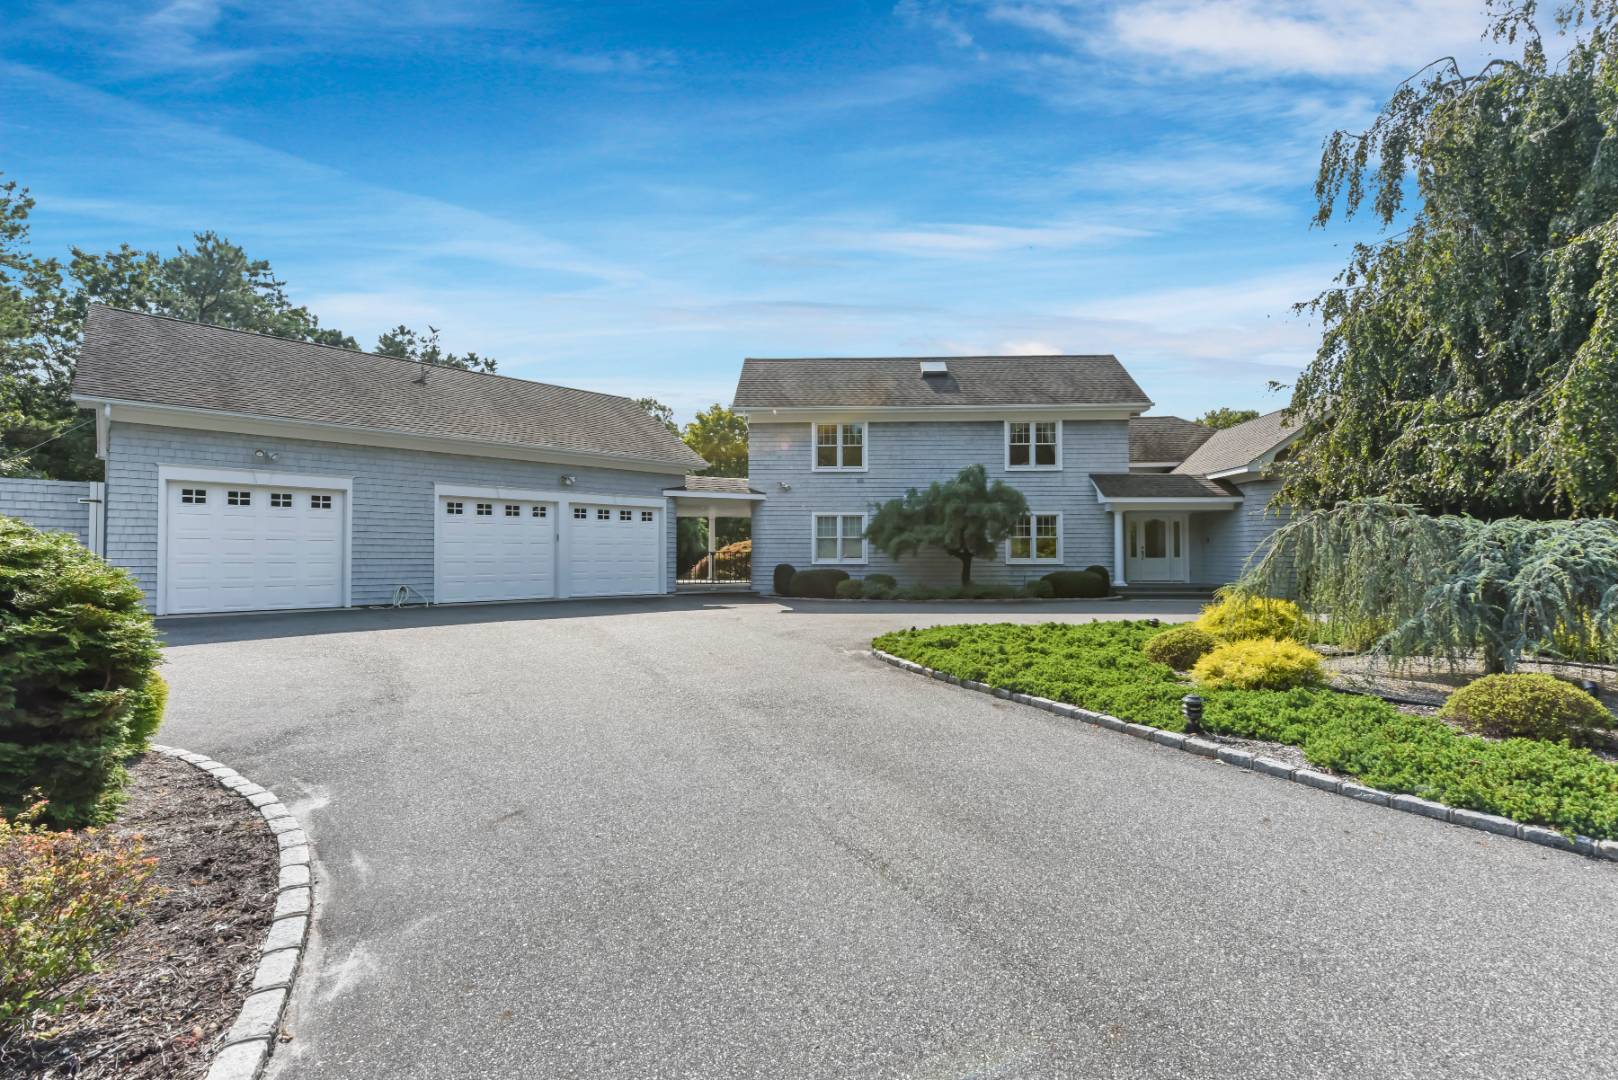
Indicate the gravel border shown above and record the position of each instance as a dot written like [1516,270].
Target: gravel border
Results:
[247,1045]
[1243,759]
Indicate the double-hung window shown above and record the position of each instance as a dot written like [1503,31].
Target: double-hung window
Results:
[1036,539]
[839,447]
[839,538]
[1033,444]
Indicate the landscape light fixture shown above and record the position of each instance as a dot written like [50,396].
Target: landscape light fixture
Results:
[1191,707]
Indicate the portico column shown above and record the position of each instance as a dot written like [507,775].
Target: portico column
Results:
[1118,548]
[713,548]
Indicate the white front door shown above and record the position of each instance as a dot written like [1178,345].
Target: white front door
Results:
[1155,547]
[249,547]
[614,550]
[495,549]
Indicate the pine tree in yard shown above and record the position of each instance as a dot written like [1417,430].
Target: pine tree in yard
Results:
[964,517]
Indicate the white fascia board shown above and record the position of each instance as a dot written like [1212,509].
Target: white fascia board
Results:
[684,493]
[451,489]
[906,414]
[1225,474]
[175,416]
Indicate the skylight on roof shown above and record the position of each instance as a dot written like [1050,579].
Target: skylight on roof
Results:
[934,367]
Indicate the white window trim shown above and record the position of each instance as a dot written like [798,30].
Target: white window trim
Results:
[814,446]
[865,545]
[167,474]
[1034,538]
[1005,442]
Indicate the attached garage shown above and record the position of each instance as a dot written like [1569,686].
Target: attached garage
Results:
[614,550]
[508,544]
[237,543]
[495,549]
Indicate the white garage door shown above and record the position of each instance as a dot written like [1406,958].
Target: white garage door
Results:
[245,547]
[495,549]
[614,550]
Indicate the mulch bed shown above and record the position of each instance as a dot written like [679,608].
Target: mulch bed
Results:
[175,981]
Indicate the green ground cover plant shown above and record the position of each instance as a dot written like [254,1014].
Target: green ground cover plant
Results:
[1102,666]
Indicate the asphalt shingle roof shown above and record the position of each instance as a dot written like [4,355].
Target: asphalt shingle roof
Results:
[724,485]
[152,359]
[1143,485]
[897,382]
[1235,447]
[1164,438]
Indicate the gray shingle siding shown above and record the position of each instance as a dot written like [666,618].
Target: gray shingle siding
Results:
[1225,540]
[54,505]
[393,496]
[914,454]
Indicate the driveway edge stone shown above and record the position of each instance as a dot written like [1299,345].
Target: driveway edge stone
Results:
[247,1045]
[1241,759]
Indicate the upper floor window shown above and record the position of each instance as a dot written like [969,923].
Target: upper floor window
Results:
[1033,444]
[1037,538]
[840,446]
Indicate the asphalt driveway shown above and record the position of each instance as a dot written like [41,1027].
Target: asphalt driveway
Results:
[711,838]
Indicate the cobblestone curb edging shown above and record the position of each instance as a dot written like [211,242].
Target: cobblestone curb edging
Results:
[248,1043]
[1242,759]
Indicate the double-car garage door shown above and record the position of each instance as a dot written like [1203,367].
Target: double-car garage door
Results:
[256,547]
[504,549]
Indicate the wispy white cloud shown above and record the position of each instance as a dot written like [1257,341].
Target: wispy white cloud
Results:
[972,240]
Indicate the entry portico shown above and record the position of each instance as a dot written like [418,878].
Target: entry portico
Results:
[1156,520]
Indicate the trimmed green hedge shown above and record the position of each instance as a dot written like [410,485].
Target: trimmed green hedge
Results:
[782,578]
[1078,584]
[1101,666]
[821,583]
[77,667]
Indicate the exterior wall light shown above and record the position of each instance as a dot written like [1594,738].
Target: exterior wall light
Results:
[568,479]
[265,455]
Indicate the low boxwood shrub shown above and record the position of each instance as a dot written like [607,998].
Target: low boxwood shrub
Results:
[881,581]
[1077,584]
[782,580]
[63,897]
[1179,647]
[1039,590]
[1241,618]
[1101,666]
[1102,572]
[820,583]
[852,589]
[975,591]
[1258,664]
[920,592]
[1534,706]
[76,665]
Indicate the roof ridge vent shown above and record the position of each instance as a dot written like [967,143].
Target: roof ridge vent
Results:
[933,368]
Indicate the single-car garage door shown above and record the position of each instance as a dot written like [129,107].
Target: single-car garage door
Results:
[495,549]
[614,550]
[247,547]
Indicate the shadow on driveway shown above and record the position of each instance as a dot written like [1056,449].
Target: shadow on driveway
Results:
[216,629]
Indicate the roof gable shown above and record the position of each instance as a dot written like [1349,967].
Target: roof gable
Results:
[1164,439]
[1238,446]
[969,381]
[156,360]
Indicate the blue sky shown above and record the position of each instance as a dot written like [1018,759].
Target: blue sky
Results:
[631,197]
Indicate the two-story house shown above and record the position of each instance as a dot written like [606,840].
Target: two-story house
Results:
[1156,499]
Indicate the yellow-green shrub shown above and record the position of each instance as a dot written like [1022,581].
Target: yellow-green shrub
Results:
[63,897]
[1241,618]
[1179,647]
[1258,664]
[1530,705]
